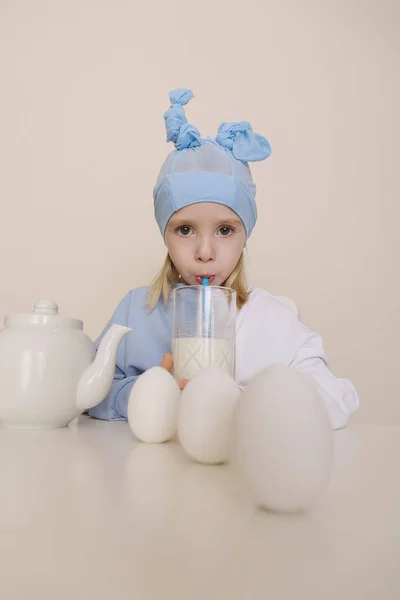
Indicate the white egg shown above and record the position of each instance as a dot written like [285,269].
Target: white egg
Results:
[283,440]
[205,416]
[153,406]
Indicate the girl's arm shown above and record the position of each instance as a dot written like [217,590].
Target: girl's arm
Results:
[114,406]
[339,395]
[268,334]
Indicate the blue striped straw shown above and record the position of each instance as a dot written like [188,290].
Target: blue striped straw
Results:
[206,306]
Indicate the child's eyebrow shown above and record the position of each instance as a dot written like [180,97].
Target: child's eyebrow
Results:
[179,222]
[230,221]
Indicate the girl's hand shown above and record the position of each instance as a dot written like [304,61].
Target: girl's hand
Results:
[167,364]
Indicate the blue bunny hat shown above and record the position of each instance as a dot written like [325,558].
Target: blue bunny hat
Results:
[209,169]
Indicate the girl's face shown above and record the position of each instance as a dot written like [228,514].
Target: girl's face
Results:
[205,240]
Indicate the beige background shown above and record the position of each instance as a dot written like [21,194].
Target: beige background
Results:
[83,88]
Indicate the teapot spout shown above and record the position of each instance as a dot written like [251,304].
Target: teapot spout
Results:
[96,380]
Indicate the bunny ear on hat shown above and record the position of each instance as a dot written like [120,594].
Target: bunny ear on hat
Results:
[241,140]
[179,131]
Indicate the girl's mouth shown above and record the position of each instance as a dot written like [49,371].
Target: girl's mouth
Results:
[210,278]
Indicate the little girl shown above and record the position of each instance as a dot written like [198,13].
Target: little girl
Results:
[205,208]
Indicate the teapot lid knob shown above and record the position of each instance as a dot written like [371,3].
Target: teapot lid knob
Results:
[46,307]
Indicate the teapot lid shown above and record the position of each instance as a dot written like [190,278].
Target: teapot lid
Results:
[45,312]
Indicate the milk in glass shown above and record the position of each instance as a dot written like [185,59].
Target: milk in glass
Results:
[192,355]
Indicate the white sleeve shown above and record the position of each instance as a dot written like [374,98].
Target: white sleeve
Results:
[270,334]
[339,395]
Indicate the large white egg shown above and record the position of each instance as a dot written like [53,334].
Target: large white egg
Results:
[205,416]
[153,406]
[283,440]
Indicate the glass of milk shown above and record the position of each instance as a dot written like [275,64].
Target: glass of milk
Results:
[203,329]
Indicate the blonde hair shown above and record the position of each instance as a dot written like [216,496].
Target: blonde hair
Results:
[168,276]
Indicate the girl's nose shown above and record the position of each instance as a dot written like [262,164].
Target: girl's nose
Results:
[205,251]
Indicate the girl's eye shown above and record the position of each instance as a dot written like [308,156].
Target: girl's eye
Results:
[184,230]
[225,231]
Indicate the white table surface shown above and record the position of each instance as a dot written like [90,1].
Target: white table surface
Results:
[87,512]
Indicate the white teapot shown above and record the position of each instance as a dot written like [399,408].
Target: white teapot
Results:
[49,370]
